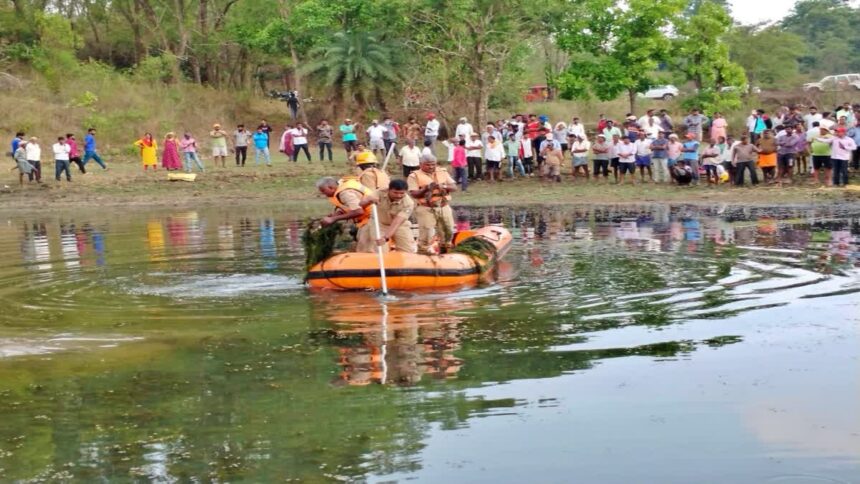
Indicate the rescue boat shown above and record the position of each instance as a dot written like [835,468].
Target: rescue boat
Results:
[405,271]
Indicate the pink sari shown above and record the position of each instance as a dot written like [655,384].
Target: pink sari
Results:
[170,156]
[286,145]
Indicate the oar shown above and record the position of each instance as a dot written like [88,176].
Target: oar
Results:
[388,155]
[379,251]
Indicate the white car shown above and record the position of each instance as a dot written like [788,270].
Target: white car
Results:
[666,93]
[834,83]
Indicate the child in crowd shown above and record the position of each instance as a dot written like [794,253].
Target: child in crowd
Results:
[459,164]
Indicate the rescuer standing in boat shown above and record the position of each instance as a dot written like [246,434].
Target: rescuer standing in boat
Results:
[431,188]
[346,196]
[368,174]
[394,208]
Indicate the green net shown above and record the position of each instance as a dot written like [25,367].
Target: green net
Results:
[477,248]
[321,242]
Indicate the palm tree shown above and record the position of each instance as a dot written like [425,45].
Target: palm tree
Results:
[356,66]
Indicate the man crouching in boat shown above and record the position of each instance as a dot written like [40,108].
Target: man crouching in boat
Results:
[346,196]
[368,174]
[394,209]
[431,188]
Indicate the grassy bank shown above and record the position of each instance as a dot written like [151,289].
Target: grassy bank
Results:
[126,185]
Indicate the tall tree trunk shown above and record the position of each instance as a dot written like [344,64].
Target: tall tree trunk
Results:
[297,81]
[631,97]
[482,99]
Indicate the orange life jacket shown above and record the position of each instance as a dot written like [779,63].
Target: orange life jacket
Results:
[350,183]
[374,178]
[438,195]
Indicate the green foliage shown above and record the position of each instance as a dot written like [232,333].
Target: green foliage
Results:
[710,101]
[701,54]
[477,248]
[357,63]
[320,242]
[770,56]
[156,68]
[85,99]
[829,30]
[616,48]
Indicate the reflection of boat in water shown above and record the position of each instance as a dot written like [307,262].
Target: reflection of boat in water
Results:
[406,271]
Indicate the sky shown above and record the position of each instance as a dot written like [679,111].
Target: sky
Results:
[756,11]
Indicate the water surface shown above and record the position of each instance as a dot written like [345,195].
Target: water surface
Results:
[637,344]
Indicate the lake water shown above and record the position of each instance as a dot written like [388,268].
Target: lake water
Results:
[641,344]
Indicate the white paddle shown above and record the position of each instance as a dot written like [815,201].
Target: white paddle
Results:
[388,155]
[379,251]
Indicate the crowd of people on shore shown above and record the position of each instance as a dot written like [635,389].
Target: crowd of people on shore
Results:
[795,141]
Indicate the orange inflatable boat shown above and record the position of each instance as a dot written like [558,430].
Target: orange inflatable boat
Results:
[404,271]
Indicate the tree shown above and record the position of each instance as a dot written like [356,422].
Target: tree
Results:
[770,56]
[829,29]
[616,48]
[702,56]
[360,64]
[481,37]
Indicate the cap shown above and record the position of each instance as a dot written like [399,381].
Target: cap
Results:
[549,136]
[841,130]
[690,136]
[430,115]
[475,134]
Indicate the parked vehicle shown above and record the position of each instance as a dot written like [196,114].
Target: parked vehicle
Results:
[537,93]
[842,82]
[666,93]
[745,90]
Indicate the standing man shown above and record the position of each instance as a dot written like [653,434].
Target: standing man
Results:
[695,124]
[240,144]
[293,104]
[394,207]
[368,174]
[473,156]
[325,135]
[431,130]
[16,141]
[575,130]
[464,130]
[265,128]
[90,151]
[841,148]
[854,133]
[666,124]
[390,135]
[786,152]
[660,157]
[376,137]
[347,131]
[431,188]
[61,159]
[261,147]
[813,116]
[346,196]
[690,155]
[74,153]
[409,157]
[219,145]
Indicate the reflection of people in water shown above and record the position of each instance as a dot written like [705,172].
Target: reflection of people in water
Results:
[267,244]
[396,343]
[69,246]
[155,240]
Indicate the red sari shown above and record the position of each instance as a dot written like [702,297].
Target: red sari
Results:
[170,156]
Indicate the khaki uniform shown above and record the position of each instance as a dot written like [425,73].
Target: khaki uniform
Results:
[388,211]
[434,217]
[374,178]
[553,162]
[366,241]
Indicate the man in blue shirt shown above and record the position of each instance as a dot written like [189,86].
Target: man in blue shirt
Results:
[690,156]
[90,149]
[261,147]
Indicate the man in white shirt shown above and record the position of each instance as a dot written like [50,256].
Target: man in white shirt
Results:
[575,130]
[643,156]
[464,129]
[811,117]
[473,156]
[626,153]
[376,138]
[494,152]
[431,130]
[648,119]
[409,157]
[826,122]
[61,158]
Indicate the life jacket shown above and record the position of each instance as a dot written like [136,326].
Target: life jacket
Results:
[351,183]
[438,195]
[374,178]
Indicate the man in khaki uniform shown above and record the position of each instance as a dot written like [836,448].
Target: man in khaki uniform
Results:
[346,195]
[394,208]
[366,171]
[431,187]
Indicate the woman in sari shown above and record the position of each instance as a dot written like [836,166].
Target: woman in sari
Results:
[148,151]
[286,144]
[170,156]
